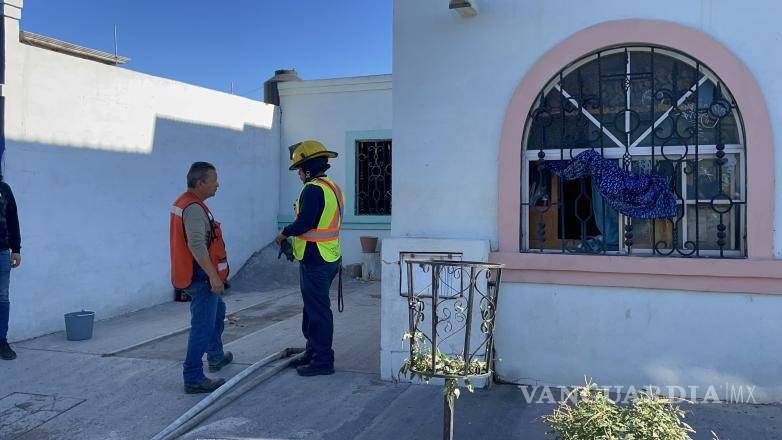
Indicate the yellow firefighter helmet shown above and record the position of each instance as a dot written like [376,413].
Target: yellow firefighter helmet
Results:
[306,150]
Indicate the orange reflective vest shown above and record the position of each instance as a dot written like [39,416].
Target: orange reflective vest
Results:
[182,259]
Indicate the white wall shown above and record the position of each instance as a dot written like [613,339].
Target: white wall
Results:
[453,79]
[96,155]
[554,335]
[350,240]
[326,110]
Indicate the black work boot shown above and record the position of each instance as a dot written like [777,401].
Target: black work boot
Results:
[314,370]
[205,386]
[227,358]
[6,353]
[303,360]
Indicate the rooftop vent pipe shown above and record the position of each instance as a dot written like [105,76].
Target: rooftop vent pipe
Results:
[271,95]
[465,8]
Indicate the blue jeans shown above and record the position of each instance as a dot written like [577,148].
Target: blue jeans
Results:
[207,315]
[317,322]
[5,304]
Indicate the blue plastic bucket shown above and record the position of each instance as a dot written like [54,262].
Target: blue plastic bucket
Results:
[78,325]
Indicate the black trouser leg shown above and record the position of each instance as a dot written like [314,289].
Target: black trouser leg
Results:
[318,321]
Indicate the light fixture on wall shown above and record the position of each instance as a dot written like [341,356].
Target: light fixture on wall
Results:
[465,8]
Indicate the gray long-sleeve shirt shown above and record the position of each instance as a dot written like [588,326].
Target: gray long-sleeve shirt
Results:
[197,230]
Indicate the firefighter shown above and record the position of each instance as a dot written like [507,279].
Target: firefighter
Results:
[315,240]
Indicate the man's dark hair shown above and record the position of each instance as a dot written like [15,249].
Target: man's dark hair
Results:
[199,171]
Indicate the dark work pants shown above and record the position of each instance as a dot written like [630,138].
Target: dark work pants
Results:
[317,322]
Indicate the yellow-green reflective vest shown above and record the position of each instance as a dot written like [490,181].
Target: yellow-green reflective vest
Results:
[326,235]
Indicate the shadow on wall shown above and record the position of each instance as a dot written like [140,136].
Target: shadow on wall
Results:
[95,222]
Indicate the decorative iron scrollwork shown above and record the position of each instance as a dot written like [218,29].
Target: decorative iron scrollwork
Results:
[651,110]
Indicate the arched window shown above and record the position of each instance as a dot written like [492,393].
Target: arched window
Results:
[666,131]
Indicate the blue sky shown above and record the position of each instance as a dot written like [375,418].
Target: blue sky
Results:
[211,43]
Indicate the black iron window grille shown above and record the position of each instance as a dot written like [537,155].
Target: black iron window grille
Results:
[647,110]
[373,177]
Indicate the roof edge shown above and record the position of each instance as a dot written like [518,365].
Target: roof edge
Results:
[56,45]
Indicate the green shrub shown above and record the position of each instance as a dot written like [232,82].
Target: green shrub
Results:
[419,366]
[655,417]
[593,416]
[589,414]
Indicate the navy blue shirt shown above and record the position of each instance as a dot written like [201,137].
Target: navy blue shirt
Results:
[311,205]
[9,220]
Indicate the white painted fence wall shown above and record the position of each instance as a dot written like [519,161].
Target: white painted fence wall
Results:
[96,155]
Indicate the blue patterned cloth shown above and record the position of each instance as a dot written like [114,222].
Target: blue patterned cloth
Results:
[642,196]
